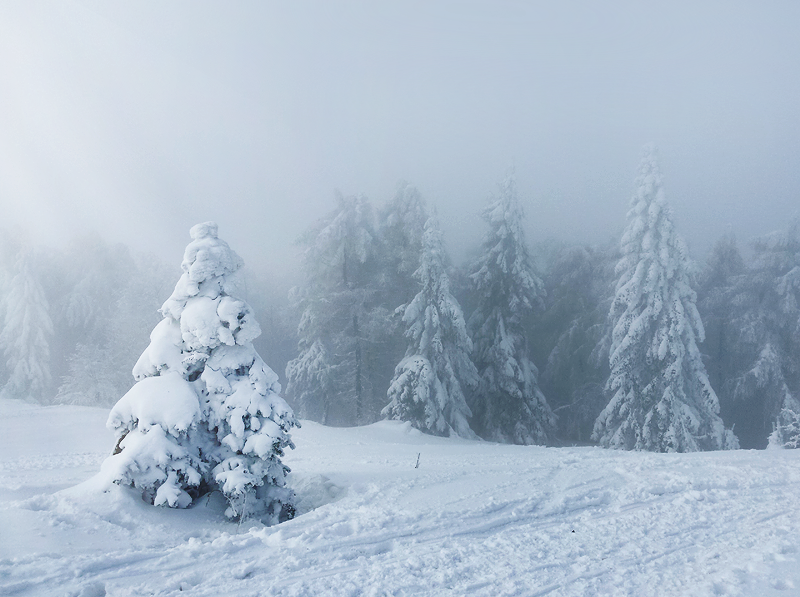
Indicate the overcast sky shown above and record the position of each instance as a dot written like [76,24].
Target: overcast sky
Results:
[139,119]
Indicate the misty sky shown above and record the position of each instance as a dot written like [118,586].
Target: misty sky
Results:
[139,119]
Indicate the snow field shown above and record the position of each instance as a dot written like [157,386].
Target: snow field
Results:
[474,519]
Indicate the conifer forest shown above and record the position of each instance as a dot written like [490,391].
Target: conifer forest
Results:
[630,345]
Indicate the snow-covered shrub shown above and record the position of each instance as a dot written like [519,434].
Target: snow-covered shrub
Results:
[205,413]
[787,430]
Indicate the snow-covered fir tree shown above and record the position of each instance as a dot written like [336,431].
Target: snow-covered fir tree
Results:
[334,377]
[268,296]
[724,266]
[661,399]
[27,330]
[764,338]
[570,330]
[102,330]
[430,384]
[787,430]
[401,227]
[401,231]
[205,413]
[99,273]
[508,406]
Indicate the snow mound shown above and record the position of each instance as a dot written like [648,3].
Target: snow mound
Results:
[474,518]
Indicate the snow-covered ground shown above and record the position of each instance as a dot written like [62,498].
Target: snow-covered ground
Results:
[473,519]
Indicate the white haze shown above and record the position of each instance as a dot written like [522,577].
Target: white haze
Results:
[141,119]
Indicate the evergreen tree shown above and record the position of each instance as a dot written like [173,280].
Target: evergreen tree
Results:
[333,378]
[428,388]
[401,232]
[399,240]
[508,406]
[27,330]
[205,413]
[570,330]
[661,397]
[268,296]
[764,340]
[110,335]
[100,273]
[724,267]
[8,258]
[787,430]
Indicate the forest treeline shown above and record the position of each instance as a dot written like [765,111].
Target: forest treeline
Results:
[629,345]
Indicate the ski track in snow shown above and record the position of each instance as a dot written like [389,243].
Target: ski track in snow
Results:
[474,519]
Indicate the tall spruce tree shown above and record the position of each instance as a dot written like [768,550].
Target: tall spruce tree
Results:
[508,406]
[570,330]
[26,333]
[764,385]
[399,241]
[332,380]
[430,383]
[716,303]
[401,231]
[661,399]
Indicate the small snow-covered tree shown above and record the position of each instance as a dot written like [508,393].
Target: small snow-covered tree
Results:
[428,388]
[787,430]
[27,329]
[312,378]
[661,397]
[205,413]
[91,378]
[508,406]
[333,378]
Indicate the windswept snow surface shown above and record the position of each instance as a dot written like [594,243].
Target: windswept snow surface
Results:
[474,519]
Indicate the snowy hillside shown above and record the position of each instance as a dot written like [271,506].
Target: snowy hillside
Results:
[474,519]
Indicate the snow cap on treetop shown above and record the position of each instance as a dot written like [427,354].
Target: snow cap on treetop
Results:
[208,255]
[207,262]
[650,149]
[204,230]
